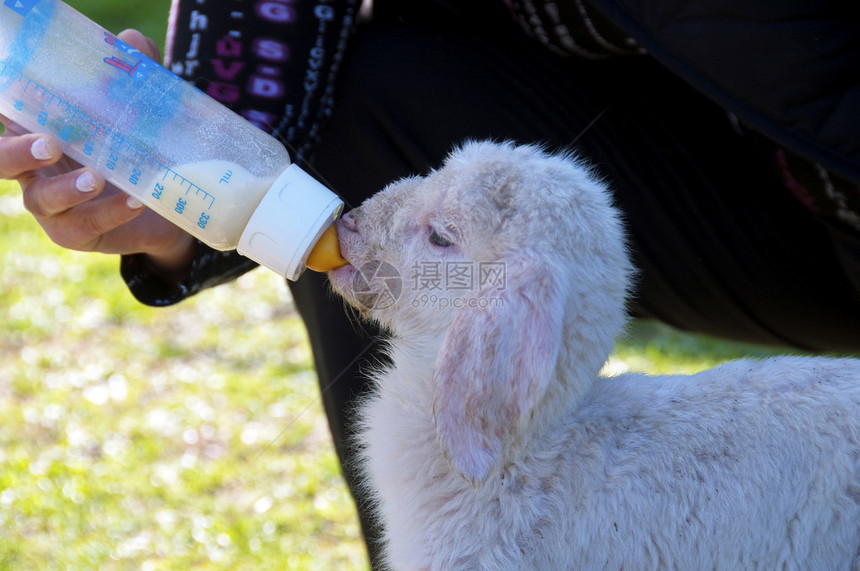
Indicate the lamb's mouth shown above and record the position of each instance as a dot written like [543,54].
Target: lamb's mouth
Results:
[372,285]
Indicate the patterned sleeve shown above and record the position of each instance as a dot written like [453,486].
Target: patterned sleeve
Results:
[572,28]
[274,63]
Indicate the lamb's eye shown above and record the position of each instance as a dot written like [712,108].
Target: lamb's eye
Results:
[440,241]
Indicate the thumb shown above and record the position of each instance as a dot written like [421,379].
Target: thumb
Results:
[137,40]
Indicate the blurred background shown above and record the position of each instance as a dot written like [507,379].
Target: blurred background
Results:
[189,437]
[148,17]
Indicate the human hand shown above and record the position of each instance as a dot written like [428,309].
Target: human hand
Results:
[75,206]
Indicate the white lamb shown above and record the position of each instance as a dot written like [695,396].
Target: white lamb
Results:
[492,442]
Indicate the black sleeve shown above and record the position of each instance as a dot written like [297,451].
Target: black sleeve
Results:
[272,62]
[210,268]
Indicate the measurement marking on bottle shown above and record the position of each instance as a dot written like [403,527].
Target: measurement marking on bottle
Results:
[197,191]
[82,133]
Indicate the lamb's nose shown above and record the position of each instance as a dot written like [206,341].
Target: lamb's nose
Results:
[347,222]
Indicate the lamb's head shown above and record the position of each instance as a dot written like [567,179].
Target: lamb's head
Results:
[509,264]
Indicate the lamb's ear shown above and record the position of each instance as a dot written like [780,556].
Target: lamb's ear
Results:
[494,366]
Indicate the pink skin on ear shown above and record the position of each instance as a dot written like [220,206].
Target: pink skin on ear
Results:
[492,370]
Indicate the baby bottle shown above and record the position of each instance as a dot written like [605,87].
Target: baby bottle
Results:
[161,140]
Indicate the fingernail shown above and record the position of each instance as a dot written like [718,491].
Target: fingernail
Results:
[134,203]
[39,149]
[86,182]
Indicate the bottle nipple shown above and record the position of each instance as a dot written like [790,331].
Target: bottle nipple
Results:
[325,255]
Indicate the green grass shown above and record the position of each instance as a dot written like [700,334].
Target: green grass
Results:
[177,438]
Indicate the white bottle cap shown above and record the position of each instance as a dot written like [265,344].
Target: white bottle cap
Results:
[288,222]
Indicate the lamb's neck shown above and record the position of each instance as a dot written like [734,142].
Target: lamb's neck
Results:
[415,350]
[574,379]
[575,376]
[413,362]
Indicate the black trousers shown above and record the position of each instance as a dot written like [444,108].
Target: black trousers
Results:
[721,245]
